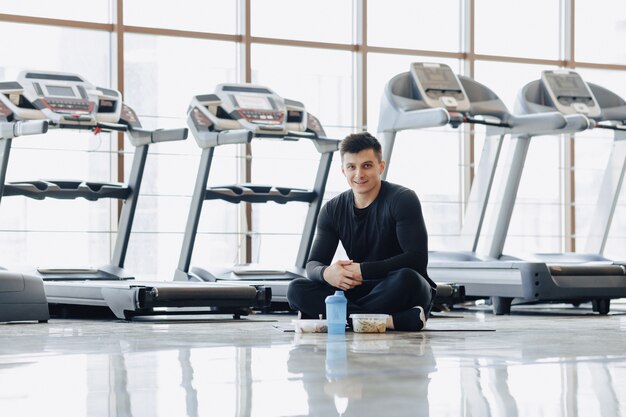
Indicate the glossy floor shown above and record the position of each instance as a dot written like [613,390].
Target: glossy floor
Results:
[537,362]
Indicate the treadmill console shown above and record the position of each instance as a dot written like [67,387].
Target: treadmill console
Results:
[569,93]
[251,107]
[439,86]
[63,98]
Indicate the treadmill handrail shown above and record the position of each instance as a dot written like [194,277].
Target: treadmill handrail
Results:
[137,136]
[611,126]
[30,127]
[210,139]
[418,119]
[324,144]
[118,127]
[10,130]
[140,137]
[536,124]
[577,123]
[233,137]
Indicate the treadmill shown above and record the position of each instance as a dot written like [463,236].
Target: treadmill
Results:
[68,101]
[565,91]
[237,114]
[431,95]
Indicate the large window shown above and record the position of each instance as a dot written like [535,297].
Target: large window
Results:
[599,32]
[99,11]
[415,25]
[335,57]
[320,20]
[86,52]
[190,15]
[529,29]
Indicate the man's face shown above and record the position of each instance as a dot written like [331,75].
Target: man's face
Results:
[362,170]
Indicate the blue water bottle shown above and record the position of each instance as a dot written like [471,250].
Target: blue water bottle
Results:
[336,306]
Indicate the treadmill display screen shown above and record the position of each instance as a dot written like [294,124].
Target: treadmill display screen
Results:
[567,85]
[437,78]
[249,101]
[58,91]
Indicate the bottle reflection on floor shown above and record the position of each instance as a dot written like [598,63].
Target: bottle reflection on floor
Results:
[338,385]
[363,376]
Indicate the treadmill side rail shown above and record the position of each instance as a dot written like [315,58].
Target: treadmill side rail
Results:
[133,300]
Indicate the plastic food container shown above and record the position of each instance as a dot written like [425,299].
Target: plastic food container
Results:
[310,326]
[369,323]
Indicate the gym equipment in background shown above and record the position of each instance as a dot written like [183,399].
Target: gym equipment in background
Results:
[236,114]
[430,95]
[68,101]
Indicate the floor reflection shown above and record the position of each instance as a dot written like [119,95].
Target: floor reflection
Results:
[139,370]
[187,382]
[363,375]
[485,390]
[553,386]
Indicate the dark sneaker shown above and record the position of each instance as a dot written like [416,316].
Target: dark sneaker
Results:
[411,320]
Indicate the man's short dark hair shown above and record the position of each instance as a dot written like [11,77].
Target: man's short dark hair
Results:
[358,142]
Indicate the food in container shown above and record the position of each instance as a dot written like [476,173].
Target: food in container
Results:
[369,323]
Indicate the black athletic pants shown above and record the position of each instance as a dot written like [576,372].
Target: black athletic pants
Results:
[399,291]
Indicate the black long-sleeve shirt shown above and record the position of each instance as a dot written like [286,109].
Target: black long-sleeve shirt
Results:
[387,235]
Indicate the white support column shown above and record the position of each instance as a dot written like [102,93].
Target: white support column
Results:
[468,138]
[360,65]
[568,179]
[244,152]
